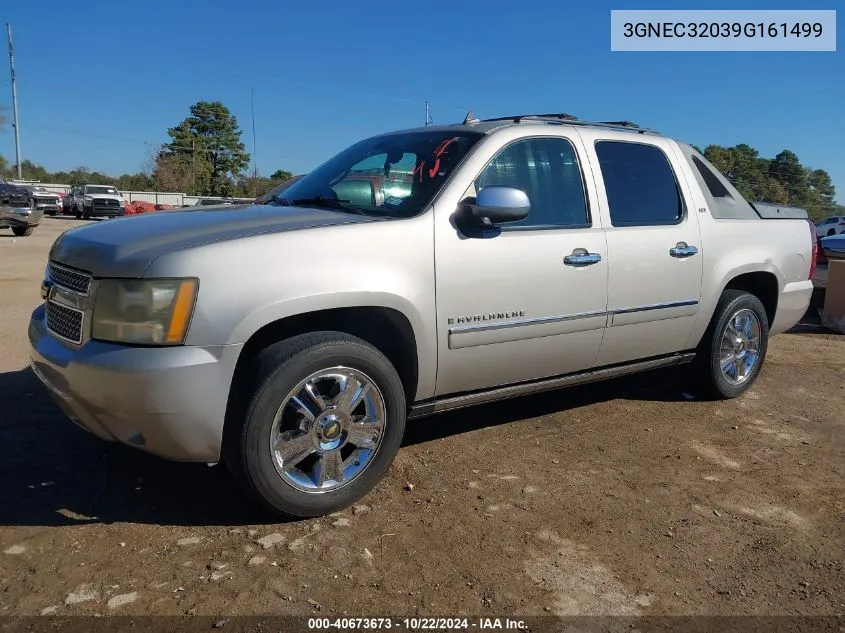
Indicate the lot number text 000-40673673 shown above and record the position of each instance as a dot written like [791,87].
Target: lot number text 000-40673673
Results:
[416,623]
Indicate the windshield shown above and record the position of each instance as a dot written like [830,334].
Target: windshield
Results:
[93,189]
[393,175]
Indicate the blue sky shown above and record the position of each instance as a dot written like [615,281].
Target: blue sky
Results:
[100,82]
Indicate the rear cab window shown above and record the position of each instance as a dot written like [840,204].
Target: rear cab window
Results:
[714,185]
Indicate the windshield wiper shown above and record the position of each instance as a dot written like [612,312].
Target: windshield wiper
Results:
[317,201]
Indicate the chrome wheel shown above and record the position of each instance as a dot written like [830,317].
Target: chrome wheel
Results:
[740,347]
[328,429]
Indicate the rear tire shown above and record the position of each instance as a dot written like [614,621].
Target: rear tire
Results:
[23,231]
[731,353]
[302,456]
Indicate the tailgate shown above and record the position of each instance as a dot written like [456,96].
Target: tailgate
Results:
[768,211]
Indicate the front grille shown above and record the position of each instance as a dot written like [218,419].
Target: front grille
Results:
[106,204]
[64,322]
[49,201]
[68,278]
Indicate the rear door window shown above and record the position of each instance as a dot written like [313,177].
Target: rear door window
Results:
[640,184]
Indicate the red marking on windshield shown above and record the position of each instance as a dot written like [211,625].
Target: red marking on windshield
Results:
[443,146]
[437,154]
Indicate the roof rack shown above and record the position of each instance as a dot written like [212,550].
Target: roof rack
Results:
[516,118]
[569,119]
[619,123]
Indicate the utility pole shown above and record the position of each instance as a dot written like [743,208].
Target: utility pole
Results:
[254,159]
[15,123]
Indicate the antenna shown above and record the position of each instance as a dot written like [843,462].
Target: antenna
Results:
[428,120]
[470,118]
[15,123]
[252,108]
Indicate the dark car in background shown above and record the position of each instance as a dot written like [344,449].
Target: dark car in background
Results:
[212,202]
[17,210]
[831,247]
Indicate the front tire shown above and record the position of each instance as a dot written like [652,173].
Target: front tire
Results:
[318,419]
[733,349]
[23,231]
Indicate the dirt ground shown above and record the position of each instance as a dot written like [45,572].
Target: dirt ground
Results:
[625,498]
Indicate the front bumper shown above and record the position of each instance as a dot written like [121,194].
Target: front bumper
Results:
[48,207]
[100,210]
[168,401]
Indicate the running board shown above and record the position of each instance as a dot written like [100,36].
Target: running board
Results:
[450,403]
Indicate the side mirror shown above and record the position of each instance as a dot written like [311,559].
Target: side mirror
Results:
[494,205]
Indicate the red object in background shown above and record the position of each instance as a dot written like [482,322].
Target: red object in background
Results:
[141,207]
[817,248]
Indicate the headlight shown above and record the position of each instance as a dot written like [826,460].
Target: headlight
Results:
[144,311]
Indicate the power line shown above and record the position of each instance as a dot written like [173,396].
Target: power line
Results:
[362,93]
[108,137]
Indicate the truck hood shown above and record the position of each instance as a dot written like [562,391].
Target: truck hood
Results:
[125,247]
[103,196]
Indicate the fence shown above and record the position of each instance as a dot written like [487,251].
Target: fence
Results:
[155,197]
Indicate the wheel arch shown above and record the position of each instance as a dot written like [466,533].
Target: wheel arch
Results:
[763,285]
[764,281]
[387,329]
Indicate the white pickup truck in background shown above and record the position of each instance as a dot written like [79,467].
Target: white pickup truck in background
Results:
[90,201]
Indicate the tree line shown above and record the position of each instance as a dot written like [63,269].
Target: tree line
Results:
[780,180]
[206,157]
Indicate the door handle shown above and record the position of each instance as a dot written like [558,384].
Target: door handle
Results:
[581,257]
[682,249]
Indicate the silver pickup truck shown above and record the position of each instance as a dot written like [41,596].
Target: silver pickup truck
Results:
[414,272]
